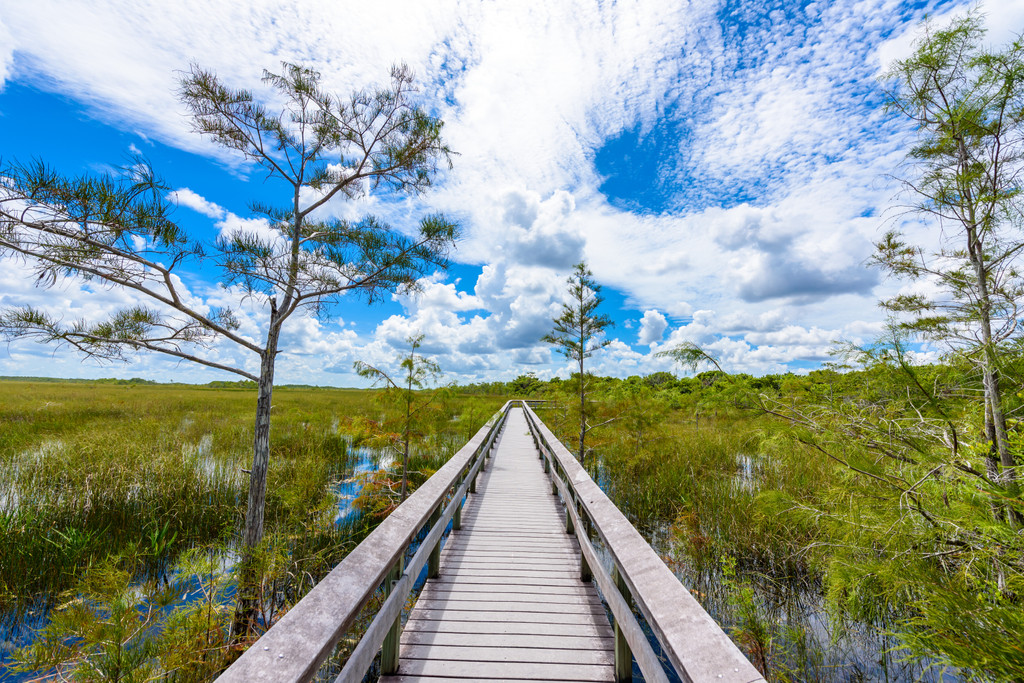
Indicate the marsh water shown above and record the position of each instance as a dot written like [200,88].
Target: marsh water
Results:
[802,642]
[19,625]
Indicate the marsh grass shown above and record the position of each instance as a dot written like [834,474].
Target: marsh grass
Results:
[91,470]
[711,496]
[111,495]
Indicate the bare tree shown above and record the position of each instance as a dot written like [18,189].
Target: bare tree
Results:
[118,229]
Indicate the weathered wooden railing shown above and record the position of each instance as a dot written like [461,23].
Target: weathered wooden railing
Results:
[296,646]
[693,642]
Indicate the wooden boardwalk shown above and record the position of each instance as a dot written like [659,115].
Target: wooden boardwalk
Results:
[509,603]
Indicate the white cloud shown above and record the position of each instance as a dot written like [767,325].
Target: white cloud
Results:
[652,327]
[6,53]
[777,153]
[187,198]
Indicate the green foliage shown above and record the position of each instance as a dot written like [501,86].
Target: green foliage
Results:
[405,393]
[525,385]
[690,356]
[111,628]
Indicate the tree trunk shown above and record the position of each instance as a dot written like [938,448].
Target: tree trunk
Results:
[990,375]
[583,418]
[992,459]
[260,450]
[246,605]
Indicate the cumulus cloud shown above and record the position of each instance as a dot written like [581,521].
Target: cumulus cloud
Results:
[652,327]
[189,199]
[770,276]
[549,239]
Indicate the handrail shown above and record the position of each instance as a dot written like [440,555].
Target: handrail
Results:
[297,645]
[698,649]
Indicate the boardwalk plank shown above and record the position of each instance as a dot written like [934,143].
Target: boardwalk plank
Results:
[524,655]
[506,671]
[565,642]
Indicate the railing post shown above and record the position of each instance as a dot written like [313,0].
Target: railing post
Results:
[434,563]
[389,650]
[457,519]
[586,576]
[623,656]
[569,527]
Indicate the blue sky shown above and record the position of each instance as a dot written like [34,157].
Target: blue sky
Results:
[720,165]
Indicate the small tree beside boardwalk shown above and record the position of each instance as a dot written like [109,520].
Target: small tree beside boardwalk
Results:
[416,372]
[118,229]
[579,332]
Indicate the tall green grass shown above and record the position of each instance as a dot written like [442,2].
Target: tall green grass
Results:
[95,470]
[138,485]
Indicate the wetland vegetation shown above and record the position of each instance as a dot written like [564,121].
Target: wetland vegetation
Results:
[122,505]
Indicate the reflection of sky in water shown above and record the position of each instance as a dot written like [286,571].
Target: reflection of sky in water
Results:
[360,462]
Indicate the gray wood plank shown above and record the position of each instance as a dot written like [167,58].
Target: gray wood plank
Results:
[492,589]
[483,653]
[563,642]
[509,580]
[516,593]
[508,606]
[493,616]
[511,628]
[506,671]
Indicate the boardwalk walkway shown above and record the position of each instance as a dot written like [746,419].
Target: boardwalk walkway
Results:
[506,598]
[509,603]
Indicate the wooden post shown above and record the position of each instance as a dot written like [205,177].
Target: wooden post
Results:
[623,656]
[569,528]
[434,563]
[457,520]
[586,576]
[389,650]
[472,483]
